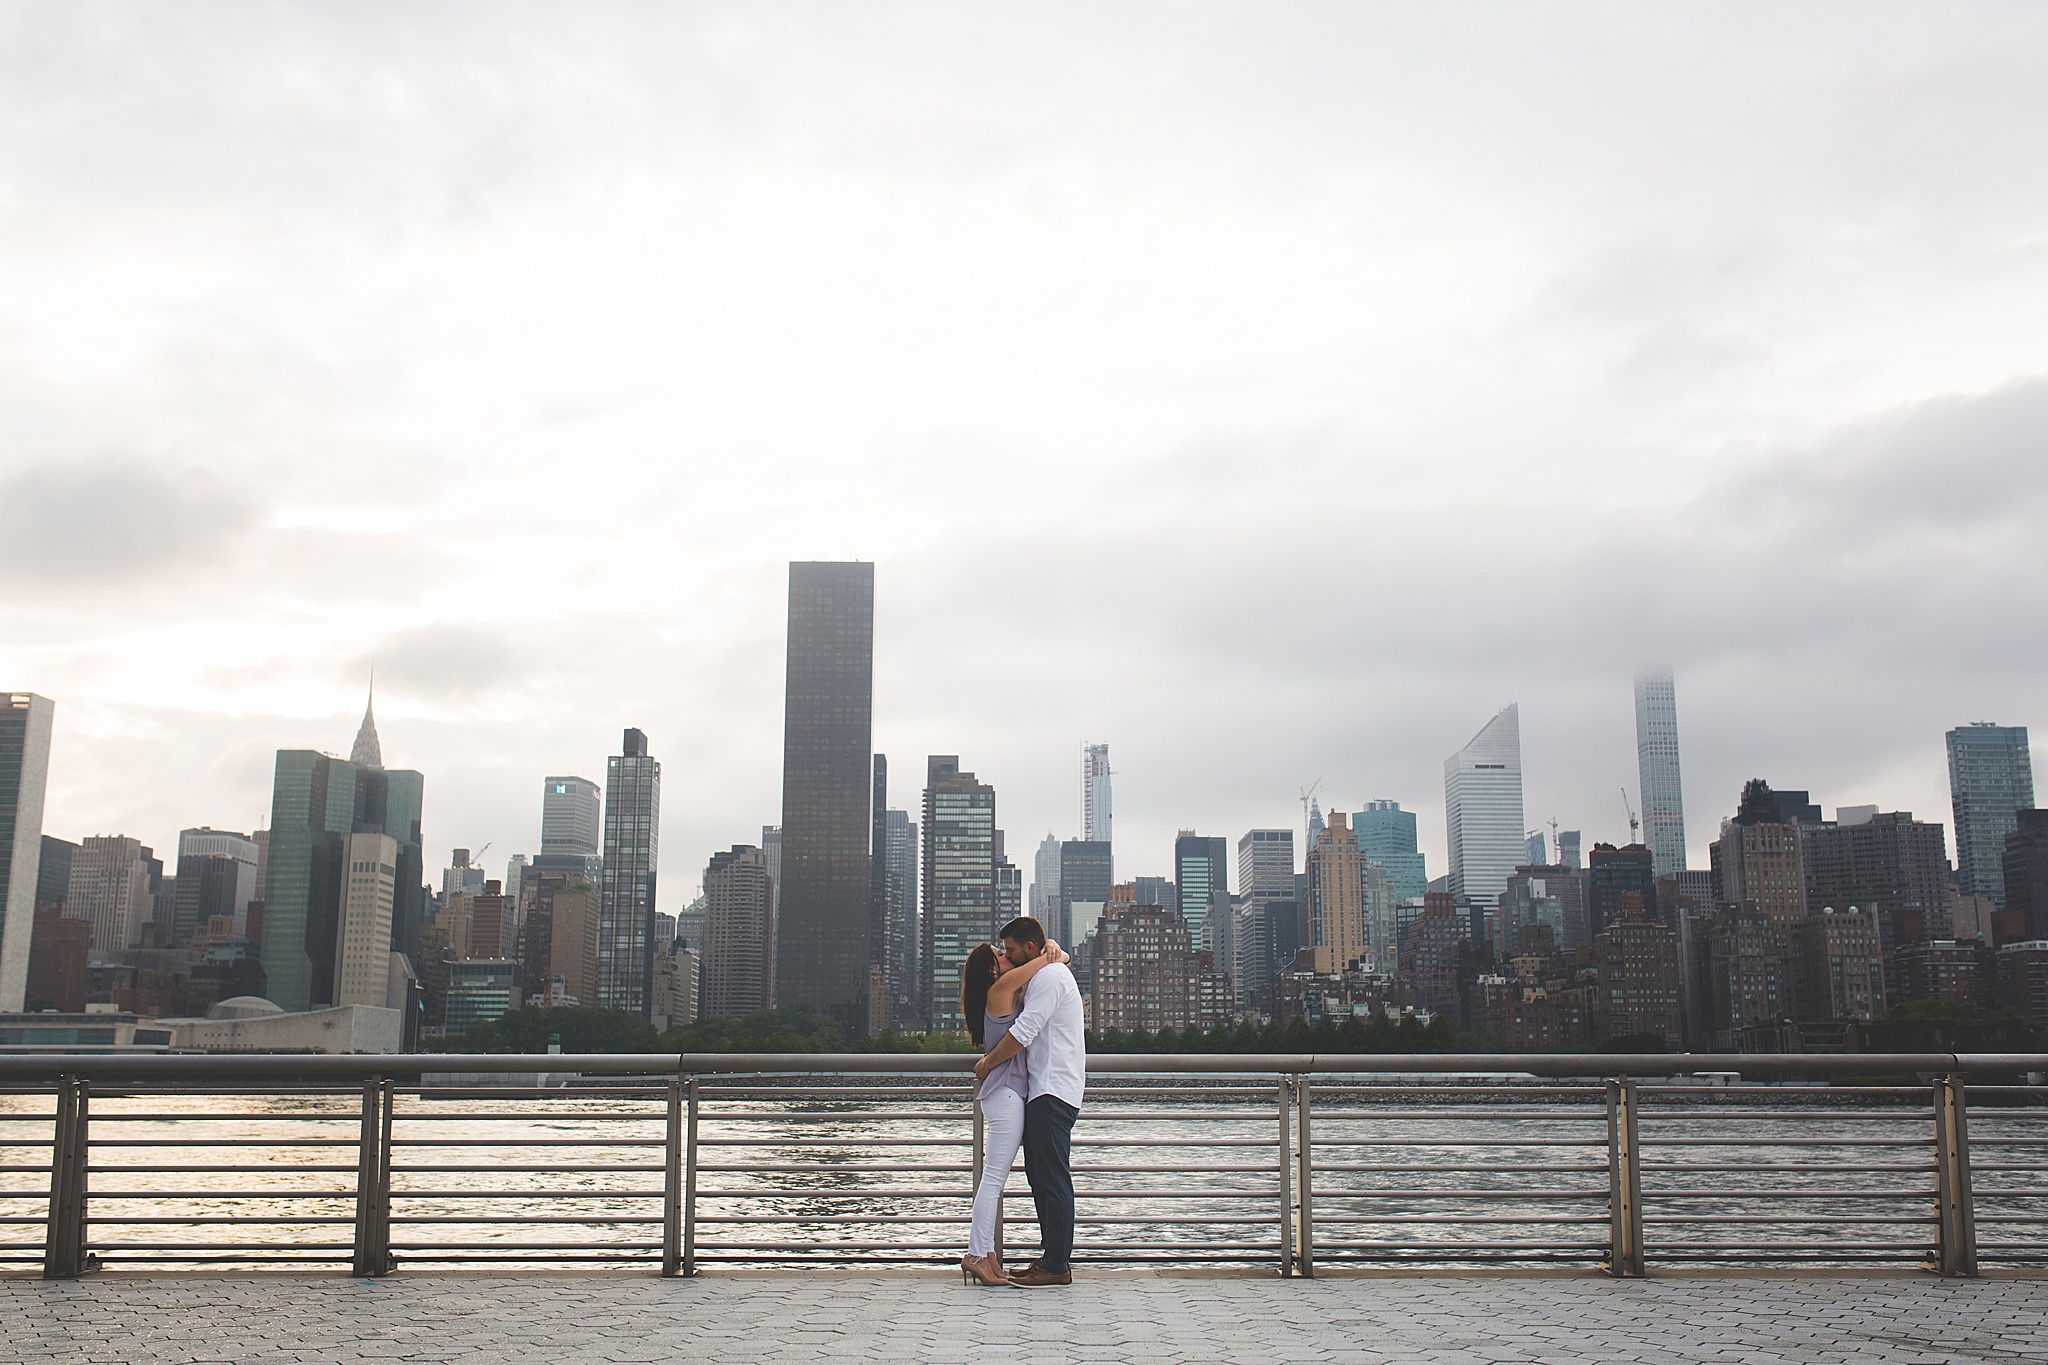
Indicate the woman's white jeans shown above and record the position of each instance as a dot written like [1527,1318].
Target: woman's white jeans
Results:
[1002,1133]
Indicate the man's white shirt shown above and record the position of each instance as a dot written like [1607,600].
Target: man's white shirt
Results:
[1050,1031]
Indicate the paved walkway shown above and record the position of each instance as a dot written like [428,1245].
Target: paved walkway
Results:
[1139,1316]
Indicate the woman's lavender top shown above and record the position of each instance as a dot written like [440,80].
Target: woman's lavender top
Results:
[1010,1075]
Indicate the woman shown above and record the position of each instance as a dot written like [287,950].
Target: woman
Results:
[991,992]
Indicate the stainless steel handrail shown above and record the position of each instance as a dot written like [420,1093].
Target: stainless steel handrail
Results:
[1235,1159]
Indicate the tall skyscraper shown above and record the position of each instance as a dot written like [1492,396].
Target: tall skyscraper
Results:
[1657,770]
[1045,880]
[1265,865]
[1265,898]
[110,890]
[885,953]
[1087,870]
[316,803]
[571,827]
[1095,805]
[903,862]
[1990,779]
[625,905]
[822,941]
[24,772]
[216,876]
[959,883]
[1201,876]
[362,971]
[1386,834]
[1483,813]
[1337,895]
[739,937]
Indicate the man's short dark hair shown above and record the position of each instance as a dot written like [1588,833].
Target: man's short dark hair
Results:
[1025,930]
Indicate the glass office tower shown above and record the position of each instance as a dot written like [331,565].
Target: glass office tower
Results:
[625,906]
[822,940]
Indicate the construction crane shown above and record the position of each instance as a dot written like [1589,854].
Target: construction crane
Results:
[1633,823]
[1308,794]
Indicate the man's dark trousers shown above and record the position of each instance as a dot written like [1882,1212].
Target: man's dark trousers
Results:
[1048,1154]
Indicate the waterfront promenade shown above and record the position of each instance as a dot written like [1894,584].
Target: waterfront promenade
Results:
[737,1318]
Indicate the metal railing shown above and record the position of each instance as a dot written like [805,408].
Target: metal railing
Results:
[1289,1163]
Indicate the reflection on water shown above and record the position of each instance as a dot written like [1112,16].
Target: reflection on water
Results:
[1161,1174]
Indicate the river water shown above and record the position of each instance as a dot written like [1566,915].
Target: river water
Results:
[1444,1173]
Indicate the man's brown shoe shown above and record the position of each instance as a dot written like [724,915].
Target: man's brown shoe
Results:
[1037,1277]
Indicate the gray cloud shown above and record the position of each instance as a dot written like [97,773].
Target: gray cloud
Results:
[112,520]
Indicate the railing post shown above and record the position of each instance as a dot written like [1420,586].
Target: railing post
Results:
[1624,1182]
[672,1182]
[1955,1212]
[1305,1228]
[373,1181]
[64,1254]
[690,1180]
[1286,1106]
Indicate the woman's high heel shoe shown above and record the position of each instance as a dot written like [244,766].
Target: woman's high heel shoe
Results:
[971,1272]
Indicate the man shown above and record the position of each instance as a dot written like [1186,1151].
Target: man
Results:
[1049,1033]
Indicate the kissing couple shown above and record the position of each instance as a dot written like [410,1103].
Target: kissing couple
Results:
[1023,1009]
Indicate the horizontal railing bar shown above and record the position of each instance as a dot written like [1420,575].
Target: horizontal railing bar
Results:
[208,1220]
[567,1117]
[836,1168]
[528,1142]
[1788,1194]
[965,1194]
[616,1248]
[847,1142]
[100,1114]
[1096,1113]
[1789,1251]
[1810,1166]
[2041,1193]
[1353,1167]
[295,1248]
[1586,1066]
[1874,1219]
[1460,1115]
[593,1220]
[848,1219]
[586,1168]
[527,1194]
[1456,1142]
[1459,1220]
[1759,1141]
[1321,1192]
[219,1142]
[191,1168]
[1707,1114]
[100,1196]
[1082,1251]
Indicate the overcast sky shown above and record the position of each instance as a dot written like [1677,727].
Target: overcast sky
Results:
[1271,391]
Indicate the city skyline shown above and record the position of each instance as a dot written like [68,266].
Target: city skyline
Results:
[1372,274]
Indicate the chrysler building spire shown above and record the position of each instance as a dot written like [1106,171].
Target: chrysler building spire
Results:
[367,751]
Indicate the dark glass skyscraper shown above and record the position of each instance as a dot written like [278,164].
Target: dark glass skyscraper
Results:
[959,883]
[823,943]
[1201,874]
[1990,780]
[316,802]
[1087,868]
[625,905]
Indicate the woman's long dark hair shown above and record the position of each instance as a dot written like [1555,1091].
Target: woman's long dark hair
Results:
[977,974]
